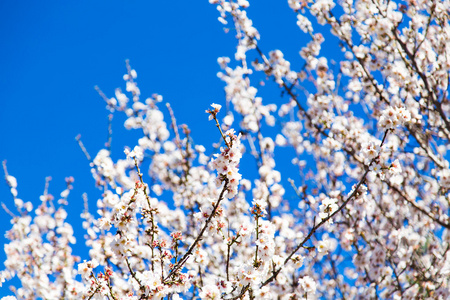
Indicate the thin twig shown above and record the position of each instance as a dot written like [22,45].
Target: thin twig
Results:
[80,143]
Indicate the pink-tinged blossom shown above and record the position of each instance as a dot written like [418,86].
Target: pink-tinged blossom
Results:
[85,269]
[395,168]
[307,285]
[393,117]
[213,112]
[248,275]
[227,163]
[370,151]
[264,293]
[444,178]
[210,292]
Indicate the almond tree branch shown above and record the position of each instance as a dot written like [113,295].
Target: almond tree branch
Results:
[185,257]
[316,227]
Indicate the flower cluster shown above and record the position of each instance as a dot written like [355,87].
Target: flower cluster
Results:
[227,163]
[393,117]
[342,191]
[307,285]
[328,207]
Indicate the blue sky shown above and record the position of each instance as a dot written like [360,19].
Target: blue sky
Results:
[53,53]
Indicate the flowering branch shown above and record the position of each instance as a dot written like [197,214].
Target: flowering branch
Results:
[188,253]
[354,192]
[213,115]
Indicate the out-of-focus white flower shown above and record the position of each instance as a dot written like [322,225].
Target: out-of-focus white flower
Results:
[137,153]
[307,284]
[328,207]
[395,168]
[85,268]
[210,292]
[444,178]
[65,193]
[323,246]
[12,181]
[393,117]
[213,112]
[370,151]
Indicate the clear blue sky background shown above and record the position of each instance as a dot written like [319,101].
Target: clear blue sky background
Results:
[53,53]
